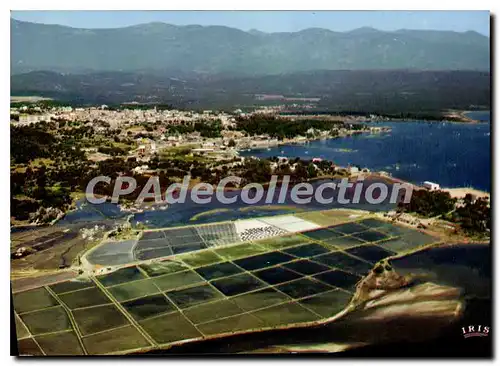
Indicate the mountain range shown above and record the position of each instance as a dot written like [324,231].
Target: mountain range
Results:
[160,47]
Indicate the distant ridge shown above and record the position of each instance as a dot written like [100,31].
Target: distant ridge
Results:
[220,49]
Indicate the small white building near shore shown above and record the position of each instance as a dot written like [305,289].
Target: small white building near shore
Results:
[431,186]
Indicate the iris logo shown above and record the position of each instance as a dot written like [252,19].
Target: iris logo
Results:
[475,331]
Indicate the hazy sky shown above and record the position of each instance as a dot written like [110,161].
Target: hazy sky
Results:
[271,21]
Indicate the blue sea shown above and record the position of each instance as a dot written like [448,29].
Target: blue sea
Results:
[450,154]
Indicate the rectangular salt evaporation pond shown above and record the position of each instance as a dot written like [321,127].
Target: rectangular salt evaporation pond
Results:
[240,251]
[275,275]
[60,344]
[218,270]
[218,234]
[373,223]
[113,253]
[409,240]
[186,248]
[307,250]
[193,295]
[327,304]
[285,314]
[169,328]
[263,260]
[238,284]
[134,289]
[370,236]
[153,253]
[306,267]
[152,244]
[211,311]
[303,287]
[31,300]
[84,298]
[289,223]
[121,276]
[99,318]
[322,234]
[349,228]
[177,280]
[163,267]
[49,320]
[71,285]
[344,262]
[152,235]
[254,229]
[183,236]
[260,299]
[338,278]
[121,339]
[343,242]
[280,242]
[148,307]
[371,253]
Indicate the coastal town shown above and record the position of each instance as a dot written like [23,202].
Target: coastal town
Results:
[158,126]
